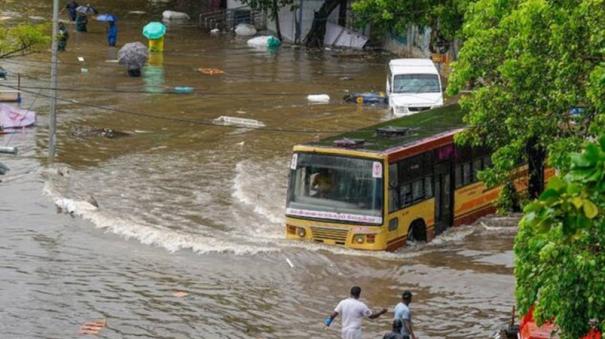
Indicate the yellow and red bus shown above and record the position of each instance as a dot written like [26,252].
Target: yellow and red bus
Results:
[380,186]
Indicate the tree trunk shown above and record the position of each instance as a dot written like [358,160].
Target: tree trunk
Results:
[315,37]
[536,156]
[342,13]
[276,18]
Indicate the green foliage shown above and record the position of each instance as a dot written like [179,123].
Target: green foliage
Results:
[559,250]
[528,62]
[444,16]
[23,38]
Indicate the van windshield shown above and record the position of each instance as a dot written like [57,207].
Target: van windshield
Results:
[416,83]
[335,187]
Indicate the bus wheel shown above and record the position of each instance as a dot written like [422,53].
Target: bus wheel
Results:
[417,231]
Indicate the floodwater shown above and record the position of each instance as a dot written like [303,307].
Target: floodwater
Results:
[188,206]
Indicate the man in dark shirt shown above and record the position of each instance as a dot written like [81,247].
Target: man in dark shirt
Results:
[396,333]
[71,8]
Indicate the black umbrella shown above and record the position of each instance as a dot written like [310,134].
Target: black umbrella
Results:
[133,54]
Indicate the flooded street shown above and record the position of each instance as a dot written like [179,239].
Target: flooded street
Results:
[185,205]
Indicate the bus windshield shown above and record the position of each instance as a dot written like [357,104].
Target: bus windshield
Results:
[416,83]
[335,187]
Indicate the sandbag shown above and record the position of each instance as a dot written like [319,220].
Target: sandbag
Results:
[172,15]
[264,41]
[245,30]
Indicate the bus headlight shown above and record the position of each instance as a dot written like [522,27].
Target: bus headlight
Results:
[301,232]
[359,238]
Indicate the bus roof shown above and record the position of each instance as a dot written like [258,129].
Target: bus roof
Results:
[419,126]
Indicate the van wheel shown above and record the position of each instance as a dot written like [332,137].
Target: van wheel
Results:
[417,231]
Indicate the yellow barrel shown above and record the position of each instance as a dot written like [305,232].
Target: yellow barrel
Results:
[156,45]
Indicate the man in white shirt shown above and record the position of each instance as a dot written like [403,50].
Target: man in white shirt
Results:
[403,313]
[353,311]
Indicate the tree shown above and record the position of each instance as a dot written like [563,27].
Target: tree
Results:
[317,33]
[444,17]
[529,65]
[22,39]
[272,7]
[560,247]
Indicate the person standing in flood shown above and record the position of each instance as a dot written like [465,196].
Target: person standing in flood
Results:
[62,36]
[402,312]
[353,311]
[71,9]
[81,22]
[112,33]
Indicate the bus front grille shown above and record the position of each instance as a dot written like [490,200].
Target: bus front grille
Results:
[336,234]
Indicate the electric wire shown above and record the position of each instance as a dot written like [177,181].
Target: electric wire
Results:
[435,127]
[180,120]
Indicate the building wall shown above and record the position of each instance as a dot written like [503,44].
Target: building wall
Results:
[288,19]
[413,44]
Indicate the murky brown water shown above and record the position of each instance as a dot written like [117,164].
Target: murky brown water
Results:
[199,208]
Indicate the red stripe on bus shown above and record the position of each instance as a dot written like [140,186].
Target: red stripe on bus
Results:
[421,146]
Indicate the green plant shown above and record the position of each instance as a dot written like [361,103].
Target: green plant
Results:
[23,39]
[527,64]
[560,247]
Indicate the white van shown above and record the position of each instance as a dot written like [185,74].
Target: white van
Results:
[413,85]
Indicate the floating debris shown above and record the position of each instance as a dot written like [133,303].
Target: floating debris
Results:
[180,294]
[8,149]
[211,71]
[3,169]
[235,121]
[367,98]
[84,132]
[319,98]
[174,15]
[93,327]
[182,90]
[245,29]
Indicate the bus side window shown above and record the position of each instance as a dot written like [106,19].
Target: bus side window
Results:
[393,188]
[487,162]
[466,173]
[458,175]
[428,187]
[476,169]
[418,190]
[405,196]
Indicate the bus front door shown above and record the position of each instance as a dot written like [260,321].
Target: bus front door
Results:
[444,197]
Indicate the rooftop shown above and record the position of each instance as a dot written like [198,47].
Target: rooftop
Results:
[414,127]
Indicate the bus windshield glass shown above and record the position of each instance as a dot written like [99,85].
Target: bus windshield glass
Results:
[335,187]
[416,83]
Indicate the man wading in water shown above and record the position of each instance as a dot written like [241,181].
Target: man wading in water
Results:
[403,313]
[352,311]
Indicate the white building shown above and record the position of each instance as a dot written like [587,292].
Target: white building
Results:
[296,23]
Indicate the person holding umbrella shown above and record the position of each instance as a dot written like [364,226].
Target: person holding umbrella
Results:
[155,31]
[82,17]
[112,33]
[71,9]
[112,29]
[134,55]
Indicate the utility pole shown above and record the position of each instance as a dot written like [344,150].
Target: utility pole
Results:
[52,118]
